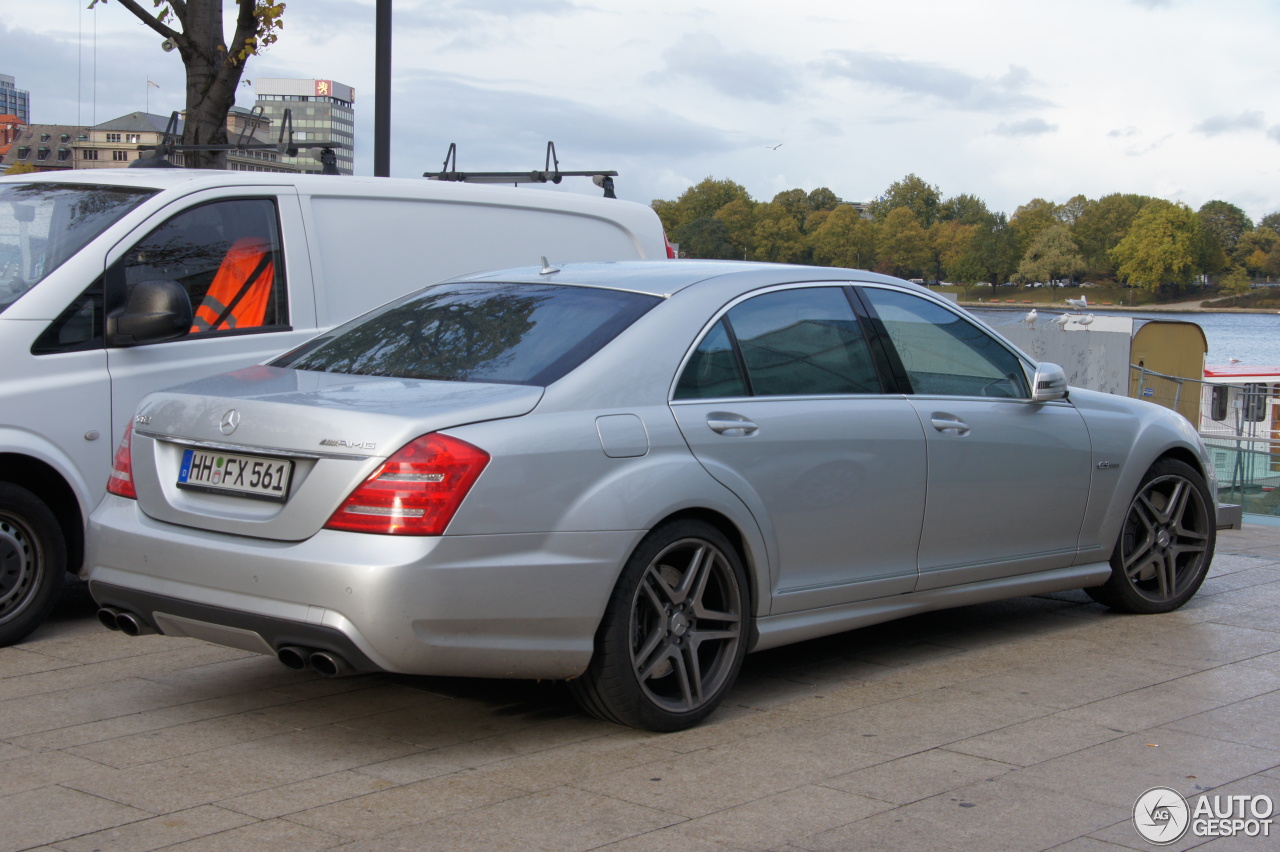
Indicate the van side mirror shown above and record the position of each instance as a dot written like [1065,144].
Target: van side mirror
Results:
[1050,383]
[157,310]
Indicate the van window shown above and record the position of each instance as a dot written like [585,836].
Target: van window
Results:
[43,224]
[227,256]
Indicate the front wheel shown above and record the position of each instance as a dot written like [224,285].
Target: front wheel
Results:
[1166,543]
[674,633]
[32,562]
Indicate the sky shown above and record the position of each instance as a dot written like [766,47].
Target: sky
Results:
[1007,100]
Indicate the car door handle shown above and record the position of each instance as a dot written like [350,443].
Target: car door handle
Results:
[948,425]
[731,425]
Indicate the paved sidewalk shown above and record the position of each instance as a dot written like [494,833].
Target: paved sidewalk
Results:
[1028,724]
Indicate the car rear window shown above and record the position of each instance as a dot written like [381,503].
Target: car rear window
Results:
[508,333]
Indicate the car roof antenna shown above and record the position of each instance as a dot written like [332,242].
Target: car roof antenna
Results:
[547,268]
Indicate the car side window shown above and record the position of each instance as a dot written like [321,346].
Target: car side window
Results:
[225,254]
[713,370]
[942,352]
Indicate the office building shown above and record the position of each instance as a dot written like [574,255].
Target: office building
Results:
[14,101]
[321,110]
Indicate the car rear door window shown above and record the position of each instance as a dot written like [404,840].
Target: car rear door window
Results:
[803,342]
[944,354]
[714,369]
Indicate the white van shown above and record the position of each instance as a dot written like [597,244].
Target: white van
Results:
[117,283]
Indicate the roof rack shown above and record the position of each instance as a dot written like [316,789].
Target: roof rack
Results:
[284,144]
[551,173]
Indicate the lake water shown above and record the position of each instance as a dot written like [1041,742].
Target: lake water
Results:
[1253,338]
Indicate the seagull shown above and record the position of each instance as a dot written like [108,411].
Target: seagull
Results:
[1081,303]
[1030,319]
[1233,360]
[1084,321]
[775,147]
[1062,319]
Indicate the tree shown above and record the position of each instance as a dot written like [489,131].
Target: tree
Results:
[706,238]
[1161,248]
[1271,220]
[1103,224]
[903,244]
[823,199]
[777,235]
[1051,256]
[20,169]
[844,239]
[951,242]
[739,217]
[213,68]
[795,202]
[967,210]
[1032,218]
[1070,212]
[913,193]
[993,252]
[1223,224]
[698,202]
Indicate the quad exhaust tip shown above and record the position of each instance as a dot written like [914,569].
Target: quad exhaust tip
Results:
[126,622]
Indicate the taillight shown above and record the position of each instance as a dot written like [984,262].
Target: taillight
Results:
[416,491]
[671,251]
[121,481]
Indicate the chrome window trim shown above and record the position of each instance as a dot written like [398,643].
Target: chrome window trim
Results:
[249,448]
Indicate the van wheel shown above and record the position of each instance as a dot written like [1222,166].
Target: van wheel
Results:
[674,633]
[33,560]
[1166,543]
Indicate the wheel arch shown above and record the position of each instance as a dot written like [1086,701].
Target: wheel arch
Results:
[47,482]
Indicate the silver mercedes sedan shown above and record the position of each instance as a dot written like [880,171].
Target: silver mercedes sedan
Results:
[628,475]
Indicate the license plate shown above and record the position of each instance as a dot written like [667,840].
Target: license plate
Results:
[257,477]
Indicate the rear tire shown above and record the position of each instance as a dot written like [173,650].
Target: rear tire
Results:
[1166,543]
[33,562]
[674,633]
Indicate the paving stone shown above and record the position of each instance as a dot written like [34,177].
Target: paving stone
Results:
[50,814]
[565,820]
[157,832]
[918,776]
[275,835]
[305,795]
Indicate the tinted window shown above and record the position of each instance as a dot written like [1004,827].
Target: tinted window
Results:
[803,342]
[526,334]
[943,353]
[225,254]
[713,369]
[43,224]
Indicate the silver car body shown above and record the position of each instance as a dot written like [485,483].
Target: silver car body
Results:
[847,510]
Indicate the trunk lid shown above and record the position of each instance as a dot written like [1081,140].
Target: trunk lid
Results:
[329,432]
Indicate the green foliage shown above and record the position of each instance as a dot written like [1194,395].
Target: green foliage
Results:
[967,210]
[911,192]
[823,199]
[903,244]
[844,239]
[706,238]
[1236,282]
[1100,226]
[1271,220]
[1032,218]
[1051,256]
[777,235]
[1161,248]
[1224,224]
[1070,212]
[20,169]
[739,216]
[1255,249]
[698,202]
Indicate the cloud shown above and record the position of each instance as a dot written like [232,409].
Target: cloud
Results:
[744,75]
[1153,4]
[1274,132]
[1121,133]
[438,17]
[1215,125]
[502,129]
[1029,127]
[957,89]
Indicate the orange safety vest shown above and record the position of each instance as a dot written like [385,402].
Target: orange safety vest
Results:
[238,296]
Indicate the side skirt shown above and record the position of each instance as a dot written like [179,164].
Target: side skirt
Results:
[775,630]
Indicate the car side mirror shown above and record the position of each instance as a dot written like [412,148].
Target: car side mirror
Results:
[1050,383]
[157,310]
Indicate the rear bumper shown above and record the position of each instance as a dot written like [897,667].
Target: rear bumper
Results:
[523,605]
